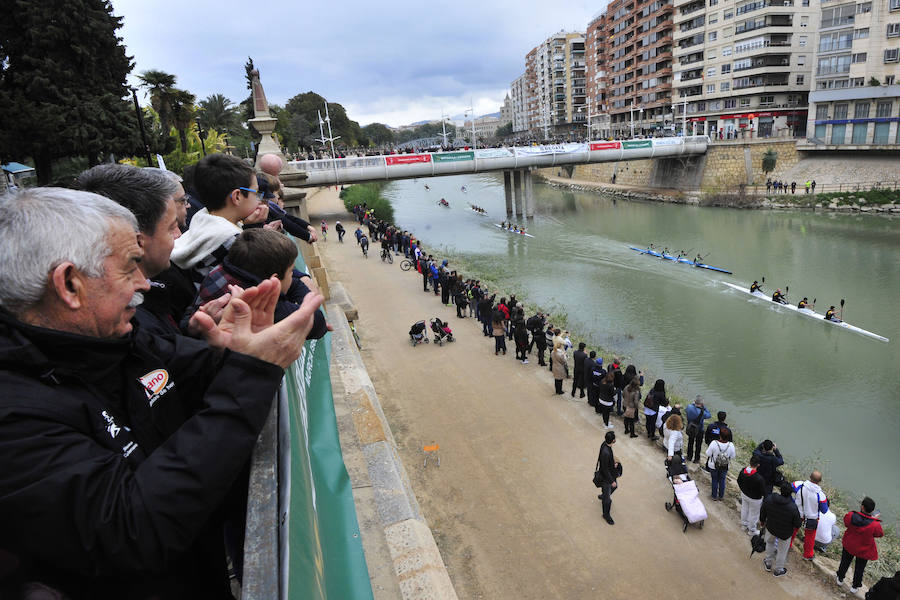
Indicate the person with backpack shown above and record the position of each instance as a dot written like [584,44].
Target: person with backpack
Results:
[752,487]
[780,517]
[859,542]
[695,414]
[719,454]
[713,429]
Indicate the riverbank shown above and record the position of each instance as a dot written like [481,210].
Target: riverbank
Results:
[849,201]
[511,505]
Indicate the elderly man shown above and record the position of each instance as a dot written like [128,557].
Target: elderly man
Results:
[120,448]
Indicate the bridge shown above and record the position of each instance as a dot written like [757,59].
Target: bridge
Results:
[516,163]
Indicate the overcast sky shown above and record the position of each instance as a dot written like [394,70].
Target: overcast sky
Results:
[387,61]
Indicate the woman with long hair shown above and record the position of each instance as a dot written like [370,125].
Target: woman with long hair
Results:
[631,398]
[651,406]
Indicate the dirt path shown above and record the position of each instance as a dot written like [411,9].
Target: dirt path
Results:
[512,507]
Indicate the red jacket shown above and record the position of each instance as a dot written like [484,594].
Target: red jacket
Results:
[859,539]
[504,310]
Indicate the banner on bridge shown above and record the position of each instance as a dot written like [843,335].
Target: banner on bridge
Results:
[545,149]
[494,153]
[605,145]
[406,159]
[637,144]
[670,141]
[453,156]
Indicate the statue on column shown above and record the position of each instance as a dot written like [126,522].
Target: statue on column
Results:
[262,121]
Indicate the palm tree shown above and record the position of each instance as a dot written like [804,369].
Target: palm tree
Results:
[183,114]
[161,85]
[217,112]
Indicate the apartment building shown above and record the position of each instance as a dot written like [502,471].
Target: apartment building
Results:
[595,75]
[518,92]
[855,97]
[743,67]
[639,65]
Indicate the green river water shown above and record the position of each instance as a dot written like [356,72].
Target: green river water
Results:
[826,396]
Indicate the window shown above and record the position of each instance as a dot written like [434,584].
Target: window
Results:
[713,18]
[725,86]
[710,55]
[838,40]
[728,14]
[861,110]
[801,40]
[865,7]
[893,29]
[821,112]
[891,55]
[881,133]
[888,80]
[833,65]
[801,60]
[861,34]
[840,111]
[800,79]
[726,69]
[727,32]
[713,2]
[766,100]
[726,51]
[838,134]
[804,21]
[745,102]
[711,88]
[883,110]
[859,133]
[730,103]
[710,72]
[838,15]
[859,58]
[711,37]
[895,4]
[856,82]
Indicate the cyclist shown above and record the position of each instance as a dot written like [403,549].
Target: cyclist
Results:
[324,231]
[386,249]
[340,231]
[364,244]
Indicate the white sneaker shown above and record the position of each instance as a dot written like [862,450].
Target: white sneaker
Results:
[525,362]
[853,590]
[838,580]
[610,426]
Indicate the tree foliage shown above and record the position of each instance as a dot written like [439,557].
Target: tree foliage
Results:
[426,130]
[175,107]
[308,106]
[379,134]
[62,83]
[217,112]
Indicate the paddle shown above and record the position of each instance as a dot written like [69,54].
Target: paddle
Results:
[842,309]
[814,302]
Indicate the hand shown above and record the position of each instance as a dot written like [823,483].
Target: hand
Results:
[214,308]
[259,300]
[259,214]
[274,225]
[614,485]
[313,237]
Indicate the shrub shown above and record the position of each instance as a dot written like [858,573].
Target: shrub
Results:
[370,195]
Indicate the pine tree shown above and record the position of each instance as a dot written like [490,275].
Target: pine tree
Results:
[62,83]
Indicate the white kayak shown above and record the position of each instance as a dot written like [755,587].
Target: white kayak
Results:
[806,312]
[498,225]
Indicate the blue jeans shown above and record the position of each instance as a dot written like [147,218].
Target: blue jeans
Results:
[718,482]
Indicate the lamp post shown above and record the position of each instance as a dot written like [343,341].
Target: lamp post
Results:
[329,139]
[444,118]
[472,111]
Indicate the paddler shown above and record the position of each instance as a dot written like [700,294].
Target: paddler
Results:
[755,287]
[698,260]
[830,316]
[803,303]
[779,297]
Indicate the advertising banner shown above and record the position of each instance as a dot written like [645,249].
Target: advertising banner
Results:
[406,159]
[637,144]
[545,149]
[494,153]
[672,141]
[453,156]
[605,145]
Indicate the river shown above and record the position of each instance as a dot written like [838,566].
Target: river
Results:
[828,397]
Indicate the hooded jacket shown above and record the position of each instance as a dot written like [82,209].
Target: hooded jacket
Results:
[780,516]
[751,483]
[117,455]
[887,588]
[768,463]
[859,539]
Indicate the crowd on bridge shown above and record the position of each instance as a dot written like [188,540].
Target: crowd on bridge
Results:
[145,325]
[772,509]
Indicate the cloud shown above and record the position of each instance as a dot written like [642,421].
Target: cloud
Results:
[394,61]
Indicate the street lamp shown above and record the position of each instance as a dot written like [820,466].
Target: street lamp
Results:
[330,138]
[588,124]
[140,120]
[472,111]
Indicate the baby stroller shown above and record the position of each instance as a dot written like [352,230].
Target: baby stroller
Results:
[687,497]
[417,333]
[441,331]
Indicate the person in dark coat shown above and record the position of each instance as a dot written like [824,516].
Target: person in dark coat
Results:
[609,473]
[618,383]
[540,340]
[752,487]
[781,518]
[886,588]
[521,335]
[859,542]
[769,461]
[651,407]
[578,371]
[485,308]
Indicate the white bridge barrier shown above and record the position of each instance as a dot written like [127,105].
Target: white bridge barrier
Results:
[435,164]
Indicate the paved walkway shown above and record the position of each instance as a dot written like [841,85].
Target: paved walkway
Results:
[512,507]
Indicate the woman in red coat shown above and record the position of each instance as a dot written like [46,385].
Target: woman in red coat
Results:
[859,541]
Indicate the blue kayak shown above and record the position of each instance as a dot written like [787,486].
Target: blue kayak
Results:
[679,259]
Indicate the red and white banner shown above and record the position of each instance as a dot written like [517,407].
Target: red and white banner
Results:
[605,145]
[406,159]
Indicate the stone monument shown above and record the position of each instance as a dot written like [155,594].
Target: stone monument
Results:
[262,121]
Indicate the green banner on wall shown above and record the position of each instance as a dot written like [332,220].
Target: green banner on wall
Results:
[453,156]
[637,144]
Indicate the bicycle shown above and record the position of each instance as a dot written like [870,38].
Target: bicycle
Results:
[407,264]
[387,256]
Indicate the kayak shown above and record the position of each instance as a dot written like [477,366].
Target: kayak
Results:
[806,312]
[498,225]
[678,259]
[478,212]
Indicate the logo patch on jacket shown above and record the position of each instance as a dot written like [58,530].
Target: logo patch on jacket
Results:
[156,383]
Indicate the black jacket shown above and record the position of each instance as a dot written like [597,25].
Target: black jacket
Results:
[578,359]
[753,486]
[713,430]
[887,588]
[118,456]
[607,463]
[780,515]
[768,464]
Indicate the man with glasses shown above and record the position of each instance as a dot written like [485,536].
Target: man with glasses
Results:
[227,187]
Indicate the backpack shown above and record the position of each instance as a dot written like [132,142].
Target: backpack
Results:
[722,460]
[693,428]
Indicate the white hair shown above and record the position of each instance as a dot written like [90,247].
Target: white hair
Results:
[40,228]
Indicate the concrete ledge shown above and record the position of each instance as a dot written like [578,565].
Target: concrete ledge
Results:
[340,297]
[391,522]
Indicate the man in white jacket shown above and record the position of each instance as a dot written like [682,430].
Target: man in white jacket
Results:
[811,502]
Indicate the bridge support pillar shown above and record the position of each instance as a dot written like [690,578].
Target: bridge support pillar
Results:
[517,193]
[529,193]
[508,191]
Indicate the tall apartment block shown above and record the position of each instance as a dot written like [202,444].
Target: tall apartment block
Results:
[595,60]
[639,65]
[855,97]
[743,67]
[519,94]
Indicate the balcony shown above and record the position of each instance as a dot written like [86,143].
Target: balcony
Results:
[692,24]
[559,97]
[580,82]
[773,60]
[692,7]
[774,21]
[691,41]
[760,4]
[744,83]
[691,58]
[770,43]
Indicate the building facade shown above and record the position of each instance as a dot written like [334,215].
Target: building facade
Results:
[639,66]
[506,111]
[743,67]
[855,97]
[595,51]
[518,91]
